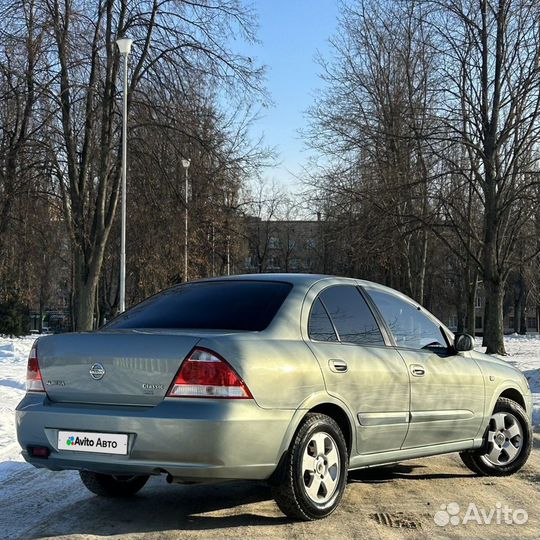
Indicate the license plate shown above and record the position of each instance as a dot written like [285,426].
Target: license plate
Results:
[84,441]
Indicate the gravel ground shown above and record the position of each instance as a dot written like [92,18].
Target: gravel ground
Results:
[399,502]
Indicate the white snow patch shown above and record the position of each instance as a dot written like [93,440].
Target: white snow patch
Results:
[13,357]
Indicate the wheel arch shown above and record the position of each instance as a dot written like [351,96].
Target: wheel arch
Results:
[341,418]
[325,404]
[508,390]
[515,395]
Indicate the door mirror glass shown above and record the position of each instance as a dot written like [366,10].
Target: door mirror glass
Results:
[463,342]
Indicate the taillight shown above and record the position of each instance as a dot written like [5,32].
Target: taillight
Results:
[205,374]
[34,382]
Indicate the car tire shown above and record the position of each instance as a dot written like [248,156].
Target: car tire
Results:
[313,476]
[108,485]
[508,442]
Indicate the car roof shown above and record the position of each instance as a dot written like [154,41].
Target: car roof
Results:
[307,280]
[293,278]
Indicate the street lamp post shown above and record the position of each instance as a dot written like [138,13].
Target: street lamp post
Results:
[185,164]
[124,46]
[229,195]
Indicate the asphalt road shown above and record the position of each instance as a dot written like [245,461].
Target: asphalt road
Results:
[401,501]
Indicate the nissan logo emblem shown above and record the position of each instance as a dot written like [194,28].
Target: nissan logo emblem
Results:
[97,371]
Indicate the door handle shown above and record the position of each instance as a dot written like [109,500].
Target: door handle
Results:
[417,370]
[338,366]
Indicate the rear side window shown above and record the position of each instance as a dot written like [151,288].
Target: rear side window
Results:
[220,305]
[319,326]
[411,328]
[351,315]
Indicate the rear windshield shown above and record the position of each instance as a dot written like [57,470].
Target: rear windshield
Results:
[219,305]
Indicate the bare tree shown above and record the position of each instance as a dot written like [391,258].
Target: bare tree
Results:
[190,95]
[264,209]
[492,106]
[373,122]
[429,124]
[174,43]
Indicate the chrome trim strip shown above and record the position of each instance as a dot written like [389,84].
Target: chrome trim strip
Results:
[383,418]
[437,416]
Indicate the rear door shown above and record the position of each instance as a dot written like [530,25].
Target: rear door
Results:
[447,388]
[359,368]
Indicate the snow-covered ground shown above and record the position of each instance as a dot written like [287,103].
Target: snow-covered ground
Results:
[13,358]
[59,507]
[523,352]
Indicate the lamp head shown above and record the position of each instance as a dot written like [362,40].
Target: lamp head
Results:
[124,45]
[186,163]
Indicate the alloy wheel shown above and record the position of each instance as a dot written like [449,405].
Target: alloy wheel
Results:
[320,468]
[505,439]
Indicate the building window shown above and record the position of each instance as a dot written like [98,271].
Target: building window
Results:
[478,301]
[295,264]
[273,242]
[273,263]
[478,322]
[531,322]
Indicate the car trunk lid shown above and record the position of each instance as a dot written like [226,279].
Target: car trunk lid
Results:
[128,367]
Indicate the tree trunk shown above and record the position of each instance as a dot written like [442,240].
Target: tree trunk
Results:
[472,286]
[40,325]
[517,314]
[85,282]
[493,319]
[460,321]
[523,318]
[423,267]
[83,306]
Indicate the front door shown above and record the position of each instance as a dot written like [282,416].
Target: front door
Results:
[359,368]
[447,388]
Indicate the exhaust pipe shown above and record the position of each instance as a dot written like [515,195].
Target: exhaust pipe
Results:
[176,480]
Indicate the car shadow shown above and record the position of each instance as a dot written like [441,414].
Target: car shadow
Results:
[159,507]
[388,473]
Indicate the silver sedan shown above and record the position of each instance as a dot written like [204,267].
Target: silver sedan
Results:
[293,379]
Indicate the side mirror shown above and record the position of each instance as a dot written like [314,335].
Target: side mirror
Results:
[463,342]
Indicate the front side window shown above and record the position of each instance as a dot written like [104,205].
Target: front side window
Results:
[351,315]
[411,328]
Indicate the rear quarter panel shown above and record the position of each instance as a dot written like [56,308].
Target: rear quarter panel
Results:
[276,364]
[280,373]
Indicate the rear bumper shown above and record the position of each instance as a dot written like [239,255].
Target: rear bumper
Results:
[191,439]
